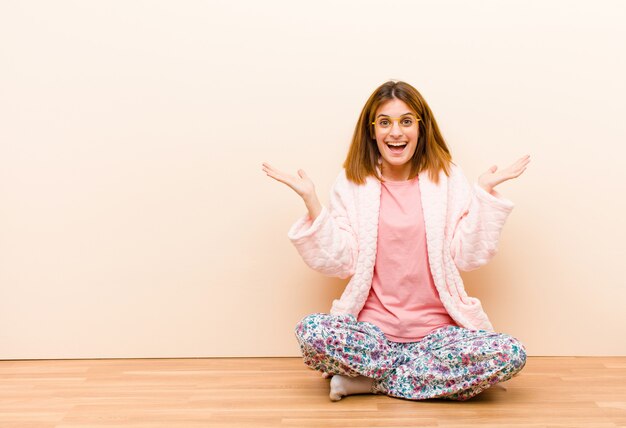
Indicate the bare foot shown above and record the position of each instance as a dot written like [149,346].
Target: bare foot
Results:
[341,386]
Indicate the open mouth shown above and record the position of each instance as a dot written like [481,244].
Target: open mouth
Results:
[396,147]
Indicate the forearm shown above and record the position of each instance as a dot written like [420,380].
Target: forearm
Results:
[313,205]
[476,236]
[325,244]
[325,237]
[488,189]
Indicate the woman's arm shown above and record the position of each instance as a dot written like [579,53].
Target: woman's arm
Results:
[324,237]
[478,225]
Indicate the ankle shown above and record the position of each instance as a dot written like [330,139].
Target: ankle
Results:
[341,386]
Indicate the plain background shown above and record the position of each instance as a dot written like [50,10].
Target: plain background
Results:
[135,220]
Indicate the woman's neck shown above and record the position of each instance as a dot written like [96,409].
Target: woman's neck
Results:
[395,173]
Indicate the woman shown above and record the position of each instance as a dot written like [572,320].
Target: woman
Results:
[402,222]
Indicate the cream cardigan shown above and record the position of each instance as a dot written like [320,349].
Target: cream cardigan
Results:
[462,222]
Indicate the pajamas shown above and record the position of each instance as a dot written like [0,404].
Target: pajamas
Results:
[451,362]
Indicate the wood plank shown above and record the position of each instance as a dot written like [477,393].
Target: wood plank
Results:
[270,392]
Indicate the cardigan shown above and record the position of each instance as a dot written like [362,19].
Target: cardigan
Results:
[463,225]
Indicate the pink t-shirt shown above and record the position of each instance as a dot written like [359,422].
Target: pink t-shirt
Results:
[403,300]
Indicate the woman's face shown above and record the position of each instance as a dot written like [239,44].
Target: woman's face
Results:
[396,131]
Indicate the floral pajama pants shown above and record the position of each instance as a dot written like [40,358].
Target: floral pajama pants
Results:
[451,362]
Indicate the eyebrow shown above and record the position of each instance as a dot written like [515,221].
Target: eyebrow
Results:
[405,114]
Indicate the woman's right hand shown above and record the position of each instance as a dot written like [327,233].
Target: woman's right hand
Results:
[301,184]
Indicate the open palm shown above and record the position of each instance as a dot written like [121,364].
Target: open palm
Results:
[492,177]
[300,183]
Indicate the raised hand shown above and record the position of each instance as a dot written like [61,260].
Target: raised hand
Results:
[301,184]
[492,177]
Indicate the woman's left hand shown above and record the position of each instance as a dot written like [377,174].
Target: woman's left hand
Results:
[492,177]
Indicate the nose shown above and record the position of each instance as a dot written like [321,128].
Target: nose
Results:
[396,131]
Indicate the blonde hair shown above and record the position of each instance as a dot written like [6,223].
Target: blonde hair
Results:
[432,153]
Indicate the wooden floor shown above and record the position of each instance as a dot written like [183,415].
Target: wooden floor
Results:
[270,392]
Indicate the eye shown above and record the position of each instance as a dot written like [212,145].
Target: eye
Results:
[383,122]
[407,121]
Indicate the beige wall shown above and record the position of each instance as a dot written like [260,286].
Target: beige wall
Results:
[135,220]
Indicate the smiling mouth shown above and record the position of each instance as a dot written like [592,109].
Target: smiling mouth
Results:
[396,147]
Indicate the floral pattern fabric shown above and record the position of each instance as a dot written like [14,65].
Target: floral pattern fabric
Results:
[451,362]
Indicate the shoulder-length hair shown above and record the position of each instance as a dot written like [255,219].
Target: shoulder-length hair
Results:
[431,154]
